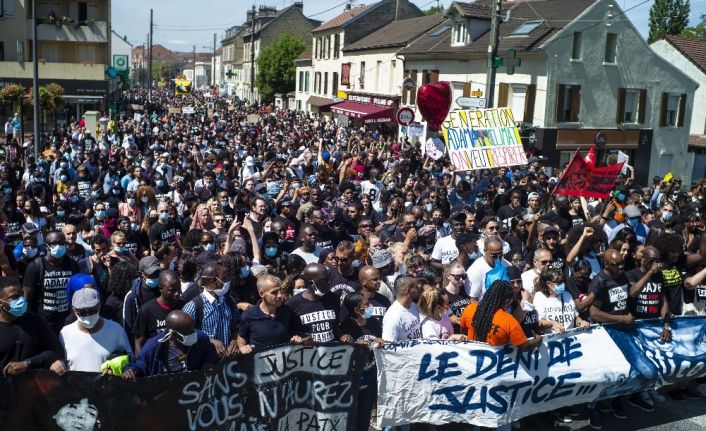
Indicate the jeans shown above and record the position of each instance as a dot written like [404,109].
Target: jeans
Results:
[366,399]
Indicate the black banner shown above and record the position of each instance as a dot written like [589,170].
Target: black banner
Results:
[278,389]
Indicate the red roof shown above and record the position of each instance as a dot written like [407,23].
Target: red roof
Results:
[361,111]
[343,18]
[694,50]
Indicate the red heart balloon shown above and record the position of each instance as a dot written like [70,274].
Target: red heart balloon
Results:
[434,102]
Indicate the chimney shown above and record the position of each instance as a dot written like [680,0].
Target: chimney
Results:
[298,5]
[348,6]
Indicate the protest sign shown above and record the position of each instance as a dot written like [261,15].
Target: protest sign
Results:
[582,179]
[174,110]
[282,388]
[438,382]
[483,139]
[188,110]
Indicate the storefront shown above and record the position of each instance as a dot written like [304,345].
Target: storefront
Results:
[320,104]
[370,109]
[560,144]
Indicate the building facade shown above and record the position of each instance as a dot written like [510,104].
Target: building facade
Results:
[73,48]
[576,78]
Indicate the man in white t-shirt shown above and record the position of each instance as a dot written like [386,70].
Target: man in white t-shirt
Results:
[542,257]
[401,321]
[492,256]
[373,187]
[445,249]
[91,339]
[308,250]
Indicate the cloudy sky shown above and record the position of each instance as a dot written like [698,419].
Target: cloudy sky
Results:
[180,24]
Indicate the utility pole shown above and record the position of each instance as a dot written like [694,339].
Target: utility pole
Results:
[252,57]
[213,66]
[193,77]
[35,81]
[492,53]
[397,10]
[149,60]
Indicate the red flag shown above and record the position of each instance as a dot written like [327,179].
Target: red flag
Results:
[591,157]
[583,179]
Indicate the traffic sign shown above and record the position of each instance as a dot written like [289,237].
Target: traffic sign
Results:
[471,102]
[409,84]
[111,72]
[405,116]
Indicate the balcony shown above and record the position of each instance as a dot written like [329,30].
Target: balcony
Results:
[71,30]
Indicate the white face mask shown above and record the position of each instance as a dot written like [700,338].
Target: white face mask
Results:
[88,322]
[189,340]
[223,290]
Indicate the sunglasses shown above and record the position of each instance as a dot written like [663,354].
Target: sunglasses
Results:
[459,277]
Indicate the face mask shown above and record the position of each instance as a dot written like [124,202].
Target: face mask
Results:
[73,199]
[633,222]
[244,272]
[120,249]
[223,290]
[621,197]
[667,215]
[210,247]
[64,178]
[152,283]
[88,322]
[164,216]
[407,204]
[368,312]
[501,191]
[29,251]
[61,213]
[96,194]
[131,202]
[160,183]
[527,307]
[133,226]
[188,340]
[116,192]
[224,204]
[145,199]
[356,264]
[270,251]
[100,214]
[17,307]
[57,251]
[475,255]
[559,288]
[7,190]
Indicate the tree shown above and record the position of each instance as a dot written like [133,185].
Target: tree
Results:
[434,10]
[163,71]
[51,96]
[697,32]
[668,17]
[276,69]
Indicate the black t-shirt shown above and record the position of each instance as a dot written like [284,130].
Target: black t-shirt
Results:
[132,243]
[506,213]
[530,323]
[28,337]
[380,305]
[319,317]
[648,303]
[78,253]
[611,295]
[50,299]
[341,284]
[324,237]
[164,232]
[262,330]
[151,318]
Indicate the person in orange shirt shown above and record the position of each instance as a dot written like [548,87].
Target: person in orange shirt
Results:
[487,320]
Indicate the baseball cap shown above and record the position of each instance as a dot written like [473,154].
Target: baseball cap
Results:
[29,228]
[85,298]
[149,265]
[513,272]
[458,215]
[631,211]
[550,229]
[382,258]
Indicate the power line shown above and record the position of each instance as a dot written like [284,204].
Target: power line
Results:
[328,10]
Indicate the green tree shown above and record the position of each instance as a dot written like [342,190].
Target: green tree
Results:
[162,71]
[434,10]
[696,32]
[276,69]
[668,17]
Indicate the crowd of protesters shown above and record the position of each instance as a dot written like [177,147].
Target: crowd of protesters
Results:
[167,242]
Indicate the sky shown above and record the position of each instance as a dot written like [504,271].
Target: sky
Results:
[181,24]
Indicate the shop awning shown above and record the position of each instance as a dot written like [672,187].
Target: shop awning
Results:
[361,111]
[320,101]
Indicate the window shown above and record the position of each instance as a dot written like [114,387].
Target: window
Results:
[325,83]
[317,48]
[430,76]
[459,35]
[301,81]
[526,28]
[439,31]
[2,50]
[673,110]
[631,106]
[378,76]
[317,82]
[611,44]
[361,76]
[334,84]
[576,47]
[336,45]
[306,82]
[568,103]
[82,11]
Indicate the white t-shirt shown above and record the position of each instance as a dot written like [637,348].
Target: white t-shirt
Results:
[445,250]
[436,329]
[401,324]
[86,352]
[528,279]
[373,190]
[476,277]
[308,257]
[560,309]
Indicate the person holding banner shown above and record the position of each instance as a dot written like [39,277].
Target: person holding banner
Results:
[555,306]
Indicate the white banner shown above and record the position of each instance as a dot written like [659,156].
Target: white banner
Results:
[438,382]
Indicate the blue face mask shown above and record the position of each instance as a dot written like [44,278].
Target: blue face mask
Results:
[100,214]
[210,247]
[60,214]
[244,272]
[666,215]
[368,312]
[96,194]
[164,216]
[270,251]
[73,199]
[57,251]
[64,178]
[621,197]
[559,288]
[160,183]
[152,283]
[120,249]
[17,307]
[633,222]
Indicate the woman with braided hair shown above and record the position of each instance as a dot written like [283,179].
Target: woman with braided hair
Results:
[487,320]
